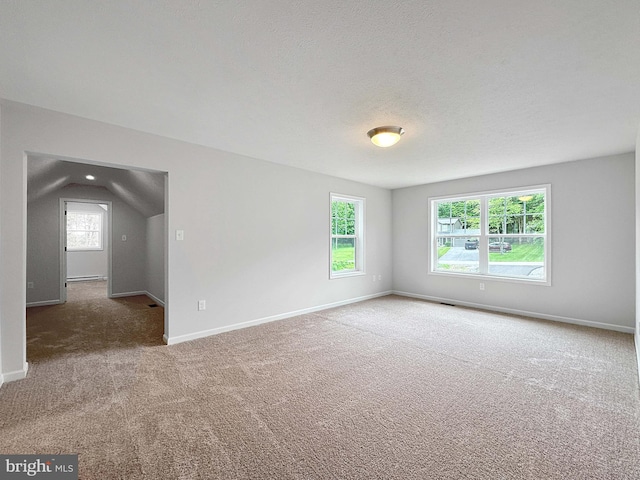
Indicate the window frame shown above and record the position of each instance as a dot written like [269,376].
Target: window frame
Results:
[359,235]
[100,231]
[485,236]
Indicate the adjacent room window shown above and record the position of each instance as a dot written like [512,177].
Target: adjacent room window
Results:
[84,230]
[347,242]
[496,234]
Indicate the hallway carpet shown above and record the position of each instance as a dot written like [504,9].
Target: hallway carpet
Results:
[390,388]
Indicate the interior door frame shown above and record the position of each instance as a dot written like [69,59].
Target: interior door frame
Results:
[63,242]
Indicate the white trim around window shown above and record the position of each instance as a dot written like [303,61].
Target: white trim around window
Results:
[346,235]
[501,235]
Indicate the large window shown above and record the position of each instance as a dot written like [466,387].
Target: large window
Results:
[347,242]
[497,234]
[84,230]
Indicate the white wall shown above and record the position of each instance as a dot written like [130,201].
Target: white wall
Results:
[256,234]
[43,244]
[155,257]
[85,263]
[12,271]
[592,240]
[637,223]
[1,280]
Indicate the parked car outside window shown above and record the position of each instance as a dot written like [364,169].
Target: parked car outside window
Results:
[499,247]
[471,244]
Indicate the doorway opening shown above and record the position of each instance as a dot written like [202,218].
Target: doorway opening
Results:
[112,240]
[85,256]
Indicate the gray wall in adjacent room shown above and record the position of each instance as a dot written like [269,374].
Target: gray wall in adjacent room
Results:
[43,243]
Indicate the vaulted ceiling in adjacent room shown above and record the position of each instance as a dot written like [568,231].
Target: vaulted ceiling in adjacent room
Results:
[141,190]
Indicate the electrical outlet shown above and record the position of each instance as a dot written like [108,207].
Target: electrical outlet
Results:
[482,286]
[180,235]
[379,277]
[202,304]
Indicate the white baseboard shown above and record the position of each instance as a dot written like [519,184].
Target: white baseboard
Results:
[15,375]
[128,294]
[273,318]
[44,303]
[636,339]
[154,298]
[87,278]
[524,313]
[135,294]
[115,295]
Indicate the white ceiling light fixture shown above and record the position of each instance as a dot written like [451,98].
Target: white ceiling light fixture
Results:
[90,177]
[385,136]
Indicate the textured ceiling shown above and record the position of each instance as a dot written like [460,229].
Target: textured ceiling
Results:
[479,86]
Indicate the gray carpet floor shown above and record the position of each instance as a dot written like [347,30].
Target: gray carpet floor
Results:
[391,388]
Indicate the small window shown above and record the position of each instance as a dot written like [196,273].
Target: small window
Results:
[347,242]
[497,234]
[84,231]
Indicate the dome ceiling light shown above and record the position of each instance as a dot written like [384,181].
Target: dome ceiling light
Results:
[385,136]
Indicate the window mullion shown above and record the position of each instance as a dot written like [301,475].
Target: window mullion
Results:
[483,246]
